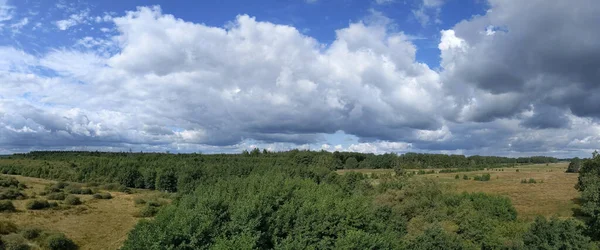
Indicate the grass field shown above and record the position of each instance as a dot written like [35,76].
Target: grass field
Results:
[96,224]
[554,194]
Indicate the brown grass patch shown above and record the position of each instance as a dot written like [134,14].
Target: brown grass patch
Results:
[556,196]
[95,224]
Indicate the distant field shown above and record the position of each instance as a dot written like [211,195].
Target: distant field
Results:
[556,196]
[96,224]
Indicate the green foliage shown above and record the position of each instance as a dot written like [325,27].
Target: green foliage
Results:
[60,242]
[7,206]
[6,181]
[7,227]
[589,185]
[457,177]
[351,163]
[484,177]
[37,204]
[78,190]
[436,238]
[11,194]
[166,180]
[465,177]
[270,211]
[72,200]
[147,211]
[15,242]
[556,234]
[102,196]
[31,233]
[56,196]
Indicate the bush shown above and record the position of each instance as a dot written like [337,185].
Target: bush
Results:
[556,234]
[11,194]
[531,180]
[15,242]
[37,204]
[77,190]
[60,242]
[103,196]
[125,189]
[465,177]
[60,185]
[56,196]
[8,182]
[72,200]
[147,211]
[457,177]
[31,233]
[7,227]
[139,201]
[7,206]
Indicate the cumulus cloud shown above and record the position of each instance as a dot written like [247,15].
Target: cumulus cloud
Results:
[538,54]
[221,86]
[507,85]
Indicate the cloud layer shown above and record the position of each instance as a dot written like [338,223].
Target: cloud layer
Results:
[511,82]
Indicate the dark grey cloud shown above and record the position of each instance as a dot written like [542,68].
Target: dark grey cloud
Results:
[545,117]
[547,52]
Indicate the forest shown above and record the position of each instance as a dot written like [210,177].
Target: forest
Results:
[296,200]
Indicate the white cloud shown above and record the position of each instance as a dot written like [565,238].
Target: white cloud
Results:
[73,20]
[381,2]
[6,11]
[162,83]
[16,27]
[428,10]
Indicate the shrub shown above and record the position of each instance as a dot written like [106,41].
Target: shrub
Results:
[15,242]
[103,196]
[139,201]
[37,204]
[457,177]
[147,211]
[60,242]
[8,182]
[531,180]
[556,234]
[465,177]
[72,200]
[11,194]
[7,206]
[125,189]
[31,233]
[7,227]
[60,185]
[56,196]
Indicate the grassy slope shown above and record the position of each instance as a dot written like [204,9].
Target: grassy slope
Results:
[96,224]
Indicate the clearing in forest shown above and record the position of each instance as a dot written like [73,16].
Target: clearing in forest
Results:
[552,194]
[95,224]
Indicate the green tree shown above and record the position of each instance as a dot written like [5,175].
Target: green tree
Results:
[166,180]
[556,234]
[351,163]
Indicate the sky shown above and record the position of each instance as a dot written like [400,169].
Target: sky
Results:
[496,77]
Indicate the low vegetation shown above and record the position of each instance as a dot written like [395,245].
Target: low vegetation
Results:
[7,206]
[296,200]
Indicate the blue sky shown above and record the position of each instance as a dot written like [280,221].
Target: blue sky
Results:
[318,19]
[497,77]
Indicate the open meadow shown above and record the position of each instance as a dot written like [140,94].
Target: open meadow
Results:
[552,194]
[93,224]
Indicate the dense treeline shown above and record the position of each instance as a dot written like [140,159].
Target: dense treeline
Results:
[589,185]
